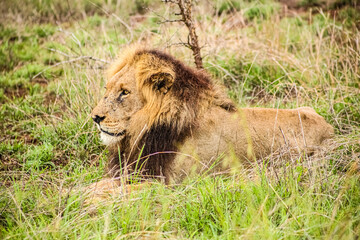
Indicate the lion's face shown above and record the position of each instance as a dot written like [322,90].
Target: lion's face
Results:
[121,101]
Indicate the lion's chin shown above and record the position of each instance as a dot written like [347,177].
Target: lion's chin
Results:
[108,140]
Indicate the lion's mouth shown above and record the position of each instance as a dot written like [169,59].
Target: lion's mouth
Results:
[114,134]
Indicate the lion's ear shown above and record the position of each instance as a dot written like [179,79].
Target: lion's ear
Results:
[162,81]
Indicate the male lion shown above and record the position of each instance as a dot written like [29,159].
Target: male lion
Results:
[171,120]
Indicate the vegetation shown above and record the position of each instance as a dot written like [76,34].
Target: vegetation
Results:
[52,57]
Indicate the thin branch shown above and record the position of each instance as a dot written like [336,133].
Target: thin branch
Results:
[69,61]
[185,7]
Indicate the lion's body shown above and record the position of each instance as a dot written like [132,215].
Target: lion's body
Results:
[179,122]
[247,135]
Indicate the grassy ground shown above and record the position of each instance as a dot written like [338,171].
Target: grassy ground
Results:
[52,57]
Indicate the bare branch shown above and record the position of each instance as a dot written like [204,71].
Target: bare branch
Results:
[171,21]
[69,61]
[185,7]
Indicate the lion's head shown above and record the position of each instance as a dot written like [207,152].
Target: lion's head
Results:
[147,88]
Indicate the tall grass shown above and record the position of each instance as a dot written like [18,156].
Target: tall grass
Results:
[52,76]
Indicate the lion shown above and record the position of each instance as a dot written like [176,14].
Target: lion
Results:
[163,119]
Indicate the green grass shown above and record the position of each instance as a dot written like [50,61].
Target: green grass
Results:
[49,147]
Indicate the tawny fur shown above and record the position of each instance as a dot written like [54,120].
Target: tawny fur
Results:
[173,121]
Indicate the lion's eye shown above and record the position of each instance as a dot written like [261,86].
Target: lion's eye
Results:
[123,93]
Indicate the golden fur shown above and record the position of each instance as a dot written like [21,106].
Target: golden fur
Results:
[171,120]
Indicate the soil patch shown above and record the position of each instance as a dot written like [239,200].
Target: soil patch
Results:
[41,81]
[15,92]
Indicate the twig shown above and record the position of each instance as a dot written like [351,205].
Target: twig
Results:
[70,61]
[186,14]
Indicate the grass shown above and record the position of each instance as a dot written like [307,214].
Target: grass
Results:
[52,76]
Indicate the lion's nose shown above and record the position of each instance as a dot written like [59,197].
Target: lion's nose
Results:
[98,119]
